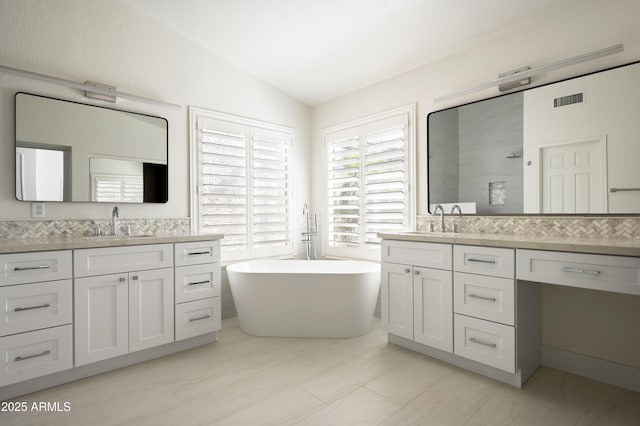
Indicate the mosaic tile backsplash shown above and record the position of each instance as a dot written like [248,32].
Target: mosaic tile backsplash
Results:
[544,226]
[548,226]
[31,229]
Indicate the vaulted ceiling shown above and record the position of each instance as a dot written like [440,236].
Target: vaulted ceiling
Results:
[317,50]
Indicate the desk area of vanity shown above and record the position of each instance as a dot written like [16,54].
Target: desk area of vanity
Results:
[475,300]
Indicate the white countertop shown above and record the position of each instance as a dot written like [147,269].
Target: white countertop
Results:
[611,246]
[28,245]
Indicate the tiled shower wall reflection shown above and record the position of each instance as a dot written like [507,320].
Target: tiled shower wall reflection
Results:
[27,229]
[542,226]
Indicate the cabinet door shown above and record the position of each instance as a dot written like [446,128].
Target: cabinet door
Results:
[101,317]
[397,299]
[150,308]
[433,308]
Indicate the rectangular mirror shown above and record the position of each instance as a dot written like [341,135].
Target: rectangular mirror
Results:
[570,147]
[69,151]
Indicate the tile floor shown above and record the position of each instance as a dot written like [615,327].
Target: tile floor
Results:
[245,380]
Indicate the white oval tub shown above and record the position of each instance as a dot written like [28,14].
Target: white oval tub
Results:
[305,298]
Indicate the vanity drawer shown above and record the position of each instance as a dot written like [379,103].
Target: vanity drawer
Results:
[37,353]
[29,307]
[486,342]
[488,298]
[113,260]
[20,268]
[597,272]
[492,261]
[198,252]
[197,282]
[427,255]
[198,317]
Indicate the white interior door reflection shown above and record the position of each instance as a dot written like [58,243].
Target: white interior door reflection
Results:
[40,174]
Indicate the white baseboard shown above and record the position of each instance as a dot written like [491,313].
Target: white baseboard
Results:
[620,375]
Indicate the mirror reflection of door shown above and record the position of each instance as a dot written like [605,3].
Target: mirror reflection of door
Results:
[41,174]
[574,177]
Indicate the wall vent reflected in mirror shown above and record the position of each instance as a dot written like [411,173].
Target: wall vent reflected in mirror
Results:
[69,151]
[561,148]
[576,98]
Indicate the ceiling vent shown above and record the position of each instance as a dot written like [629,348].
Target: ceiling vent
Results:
[576,98]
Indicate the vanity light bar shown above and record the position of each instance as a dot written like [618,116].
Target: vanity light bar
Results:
[535,71]
[88,87]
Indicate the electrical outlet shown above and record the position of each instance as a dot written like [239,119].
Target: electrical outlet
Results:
[37,210]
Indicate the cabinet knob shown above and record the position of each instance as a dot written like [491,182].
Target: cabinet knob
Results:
[417,272]
[407,270]
[122,279]
[135,277]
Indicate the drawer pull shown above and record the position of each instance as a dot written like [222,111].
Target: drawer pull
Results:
[122,279]
[477,296]
[199,318]
[199,282]
[471,259]
[480,342]
[26,357]
[28,308]
[581,271]
[194,253]
[30,268]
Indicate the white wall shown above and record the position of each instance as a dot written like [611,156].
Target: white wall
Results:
[109,42]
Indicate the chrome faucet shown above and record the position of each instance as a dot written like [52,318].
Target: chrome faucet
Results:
[435,210]
[454,227]
[115,215]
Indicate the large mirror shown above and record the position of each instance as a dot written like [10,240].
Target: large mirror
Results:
[68,151]
[570,147]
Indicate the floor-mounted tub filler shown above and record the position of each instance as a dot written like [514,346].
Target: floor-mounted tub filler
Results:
[305,298]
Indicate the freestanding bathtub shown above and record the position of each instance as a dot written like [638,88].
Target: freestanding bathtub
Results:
[305,298]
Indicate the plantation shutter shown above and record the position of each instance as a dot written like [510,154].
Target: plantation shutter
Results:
[117,188]
[343,190]
[244,188]
[367,184]
[271,192]
[223,196]
[386,184]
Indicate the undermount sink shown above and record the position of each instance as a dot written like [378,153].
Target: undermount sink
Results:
[117,237]
[425,233]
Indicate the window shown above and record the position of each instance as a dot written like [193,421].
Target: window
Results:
[241,171]
[117,188]
[368,175]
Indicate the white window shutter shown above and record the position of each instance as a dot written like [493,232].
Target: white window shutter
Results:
[244,185]
[343,189]
[223,194]
[117,188]
[368,174]
[386,183]
[271,192]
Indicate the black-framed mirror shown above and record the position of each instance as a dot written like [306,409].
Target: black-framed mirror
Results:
[569,147]
[70,151]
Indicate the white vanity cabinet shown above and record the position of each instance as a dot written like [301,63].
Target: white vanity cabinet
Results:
[126,309]
[197,288]
[416,292]
[79,307]
[35,315]
[484,305]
